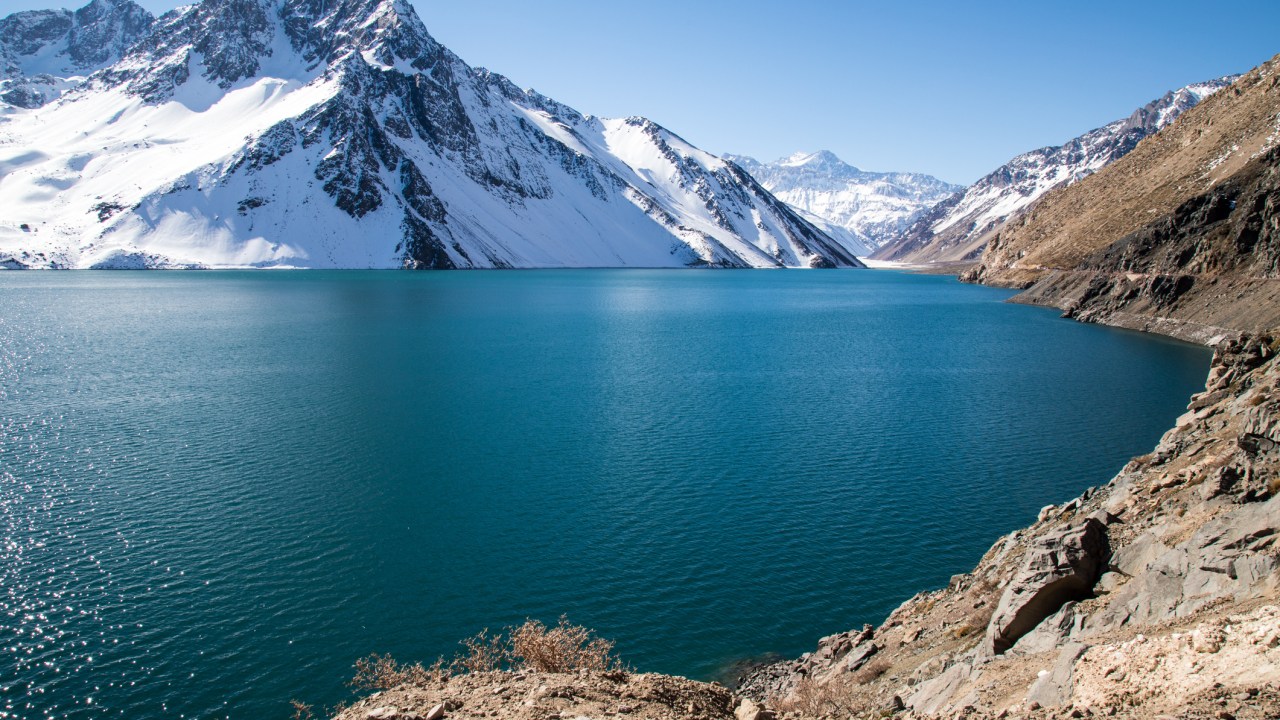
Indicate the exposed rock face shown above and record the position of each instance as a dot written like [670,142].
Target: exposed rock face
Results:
[957,229]
[1061,567]
[1145,194]
[1209,265]
[40,50]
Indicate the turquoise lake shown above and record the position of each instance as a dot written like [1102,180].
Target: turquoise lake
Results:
[220,489]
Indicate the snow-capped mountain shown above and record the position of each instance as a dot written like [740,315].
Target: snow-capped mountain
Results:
[339,133]
[958,228]
[861,209]
[43,53]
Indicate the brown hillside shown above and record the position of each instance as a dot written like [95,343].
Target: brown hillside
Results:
[1207,145]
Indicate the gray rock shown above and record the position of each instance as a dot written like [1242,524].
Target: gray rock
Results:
[1137,556]
[934,695]
[749,710]
[1231,556]
[1053,688]
[860,656]
[1060,567]
[1052,632]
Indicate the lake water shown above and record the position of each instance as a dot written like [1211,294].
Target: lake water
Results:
[218,490]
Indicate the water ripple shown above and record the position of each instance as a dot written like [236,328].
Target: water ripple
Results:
[219,489]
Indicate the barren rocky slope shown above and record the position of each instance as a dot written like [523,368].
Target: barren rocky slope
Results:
[1216,153]
[957,229]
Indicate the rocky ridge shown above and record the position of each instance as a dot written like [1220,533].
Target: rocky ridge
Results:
[957,229]
[522,695]
[861,209]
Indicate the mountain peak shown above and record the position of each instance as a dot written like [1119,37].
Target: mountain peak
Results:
[860,208]
[820,159]
[958,230]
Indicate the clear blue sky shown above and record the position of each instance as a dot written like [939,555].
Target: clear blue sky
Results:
[949,88]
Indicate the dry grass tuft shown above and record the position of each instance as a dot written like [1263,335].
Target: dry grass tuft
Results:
[811,699]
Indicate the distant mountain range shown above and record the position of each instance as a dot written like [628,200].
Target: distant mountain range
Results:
[264,133]
[863,210]
[959,228]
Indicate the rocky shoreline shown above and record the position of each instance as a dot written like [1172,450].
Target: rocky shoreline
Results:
[1154,594]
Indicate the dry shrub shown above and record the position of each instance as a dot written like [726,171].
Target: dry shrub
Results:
[484,653]
[835,698]
[532,646]
[382,672]
[563,648]
[1273,485]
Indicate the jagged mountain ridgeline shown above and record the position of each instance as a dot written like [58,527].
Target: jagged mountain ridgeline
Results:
[339,133]
[861,209]
[957,229]
[45,52]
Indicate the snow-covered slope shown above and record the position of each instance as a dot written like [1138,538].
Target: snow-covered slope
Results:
[861,209]
[43,53]
[958,228]
[339,133]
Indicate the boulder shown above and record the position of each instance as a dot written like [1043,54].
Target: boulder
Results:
[749,710]
[1052,688]
[1060,567]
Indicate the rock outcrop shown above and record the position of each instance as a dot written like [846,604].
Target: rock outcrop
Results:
[44,53]
[1060,567]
